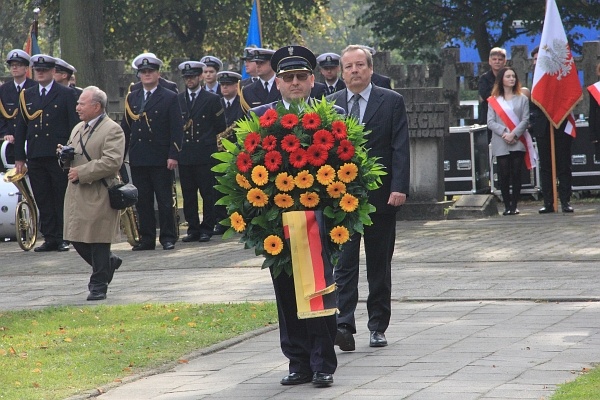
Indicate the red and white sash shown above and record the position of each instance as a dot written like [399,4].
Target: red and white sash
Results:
[595,91]
[570,127]
[510,119]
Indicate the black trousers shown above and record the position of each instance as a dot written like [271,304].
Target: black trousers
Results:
[194,179]
[151,182]
[510,170]
[49,184]
[102,261]
[379,241]
[307,343]
[562,144]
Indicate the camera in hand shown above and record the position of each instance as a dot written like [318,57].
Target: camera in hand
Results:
[66,153]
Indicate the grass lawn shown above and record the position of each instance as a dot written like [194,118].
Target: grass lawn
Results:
[585,387]
[60,351]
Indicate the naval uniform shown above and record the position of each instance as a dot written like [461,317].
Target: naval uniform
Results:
[256,95]
[9,110]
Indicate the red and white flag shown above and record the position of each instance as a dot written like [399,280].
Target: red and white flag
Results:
[556,87]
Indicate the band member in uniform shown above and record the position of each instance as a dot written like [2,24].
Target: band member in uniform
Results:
[264,90]
[209,74]
[250,67]
[152,121]
[18,62]
[204,119]
[172,86]
[63,74]
[47,117]
[329,64]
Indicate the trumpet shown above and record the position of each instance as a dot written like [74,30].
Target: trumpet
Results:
[26,213]
[129,225]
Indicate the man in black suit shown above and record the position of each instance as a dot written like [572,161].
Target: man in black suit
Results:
[154,134]
[383,113]
[63,74]
[264,90]
[329,64]
[172,86]
[18,62]
[209,74]
[47,117]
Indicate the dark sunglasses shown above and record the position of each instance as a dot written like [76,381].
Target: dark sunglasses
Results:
[290,77]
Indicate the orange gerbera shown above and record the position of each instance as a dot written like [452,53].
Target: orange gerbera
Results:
[284,182]
[348,203]
[237,222]
[273,245]
[347,172]
[325,175]
[336,189]
[309,199]
[283,200]
[242,181]
[304,179]
[260,175]
[339,234]
[257,197]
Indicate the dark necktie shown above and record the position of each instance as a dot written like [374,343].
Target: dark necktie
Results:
[144,101]
[228,104]
[331,89]
[43,93]
[192,97]
[18,88]
[355,111]
[148,95]
[210,90]
[267,87]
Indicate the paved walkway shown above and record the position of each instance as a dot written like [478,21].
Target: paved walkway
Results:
[499,308]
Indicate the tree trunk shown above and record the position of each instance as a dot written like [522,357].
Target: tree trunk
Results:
[82,40]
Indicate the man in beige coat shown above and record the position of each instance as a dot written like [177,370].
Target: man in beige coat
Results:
[90,223]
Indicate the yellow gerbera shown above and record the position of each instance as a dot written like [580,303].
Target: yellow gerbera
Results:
[242,181]
[336,189]
[257,197]
[260,175]
[348,203]
[325,175]
[283,200]
[348,172]
[309,199]
[304,179]
[273,245]
[284,182]
[339,235]
[237,222]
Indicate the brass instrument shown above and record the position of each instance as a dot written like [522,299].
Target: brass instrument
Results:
[26,213]
[227,133]
[129,225]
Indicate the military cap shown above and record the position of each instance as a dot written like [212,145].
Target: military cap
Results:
[63,66]
[148,62]
[259,54]
[191,68]
[18,55]
[42,61]
[370,49]
[293,58]
[228,77]
[133,63]
[328,60]
[247,52]
[211,61]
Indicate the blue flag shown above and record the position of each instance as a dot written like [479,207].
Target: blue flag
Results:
[254,34]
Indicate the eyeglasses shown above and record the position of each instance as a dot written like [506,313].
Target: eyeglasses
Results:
[290,77]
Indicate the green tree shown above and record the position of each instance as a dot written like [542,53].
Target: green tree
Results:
[416,26]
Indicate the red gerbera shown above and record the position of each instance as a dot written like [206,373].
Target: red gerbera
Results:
[273,160]
[251,142]
[316,154]
[298,158]
[339,130]
[311,121]
[244,162]
[288,121]
[345,150]
[268,118]
[290,143]
[324,138]
[269,143]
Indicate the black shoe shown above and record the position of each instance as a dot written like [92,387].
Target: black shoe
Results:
[204,237]
[377,339]
[507,212]
[547,209]
[168,246]
[96,296]
[322,379]
[115,263]
[514,212]
[190,238]
[344,338]
[63,246]
[143,246]
[296,378]
[46,246]
[219,229]
[566,208]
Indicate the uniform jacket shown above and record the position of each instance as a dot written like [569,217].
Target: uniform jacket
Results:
[319,90]
[520,105]
[10,101]
[203,120]
[234,112]
[246,82]
[381,81]
[49,129]
[157,135]
[339,85]
[385,117]
[217,92]
[172,86]
[594,119]
[255,94]
[88,215]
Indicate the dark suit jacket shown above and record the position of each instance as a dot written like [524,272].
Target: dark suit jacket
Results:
[172,86]
[200,136]
[385,117]
[339,85]
[52,127]
[234,112]
[594,119]
[246,82]
[381,80]
[319,90]
[9,97]
[158,134]
[255,95]
[217,92]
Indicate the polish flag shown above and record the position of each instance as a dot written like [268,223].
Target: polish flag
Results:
[556,87]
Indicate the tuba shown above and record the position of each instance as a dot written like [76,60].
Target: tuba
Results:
[129,225]
[26,214]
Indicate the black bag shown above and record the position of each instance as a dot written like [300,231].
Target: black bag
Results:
[122,195]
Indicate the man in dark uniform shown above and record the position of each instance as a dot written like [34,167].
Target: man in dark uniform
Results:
[209,74]
[47,117]
[154,131]
[307,343]
[203,118]
[329,64]
[63,74]
[172,86]
[250,67]
[264,90]
[18,62]
[497,61]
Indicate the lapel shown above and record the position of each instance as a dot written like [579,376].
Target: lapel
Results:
[342,100]
[375,101]
[51,94]
[200,100]
[154,97]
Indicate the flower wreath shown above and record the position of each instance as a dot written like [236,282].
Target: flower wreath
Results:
[306,158]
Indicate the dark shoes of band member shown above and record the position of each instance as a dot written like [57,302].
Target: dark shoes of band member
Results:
[296,378]
[168,246]
[46,246]
[96,296]
[143,246]
[190,238]
[377,339]
[344,338]
[547,209]
[115,263]
[63,246]
[219,229]
[566,208]
[322,379]
[204,237]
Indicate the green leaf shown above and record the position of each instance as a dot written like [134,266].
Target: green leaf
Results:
[223,156]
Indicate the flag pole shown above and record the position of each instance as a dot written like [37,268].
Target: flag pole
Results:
[259,20]
[553,161]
